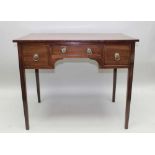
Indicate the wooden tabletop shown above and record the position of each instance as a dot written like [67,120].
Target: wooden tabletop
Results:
[75,37]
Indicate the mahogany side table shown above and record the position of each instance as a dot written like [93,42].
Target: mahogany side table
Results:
[41,51]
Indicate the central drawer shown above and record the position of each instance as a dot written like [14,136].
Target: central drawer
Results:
[82,51]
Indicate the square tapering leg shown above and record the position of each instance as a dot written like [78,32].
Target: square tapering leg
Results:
[114,84]
[38,84]
[128,97]
[23,87]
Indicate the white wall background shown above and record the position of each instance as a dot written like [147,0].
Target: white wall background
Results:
[76,96]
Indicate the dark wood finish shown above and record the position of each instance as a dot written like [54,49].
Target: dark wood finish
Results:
[48,48]
[38,84]
[114,84]
[23,87]
[71,37]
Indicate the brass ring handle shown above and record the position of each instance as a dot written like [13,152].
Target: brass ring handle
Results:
[117,56]
[63,50]
[36,57]
[89,51]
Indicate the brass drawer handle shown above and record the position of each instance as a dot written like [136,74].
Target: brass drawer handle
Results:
[89,51]
[63,50]
[117,57]
[36,57]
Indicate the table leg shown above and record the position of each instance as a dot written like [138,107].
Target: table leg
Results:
[24,97]
[128,97]
[38,84]
[114,84]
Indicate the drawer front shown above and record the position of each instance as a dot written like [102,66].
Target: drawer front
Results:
[36,56]
[77,51]
[117,54]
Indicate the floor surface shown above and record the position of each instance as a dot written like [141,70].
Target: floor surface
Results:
[79,111]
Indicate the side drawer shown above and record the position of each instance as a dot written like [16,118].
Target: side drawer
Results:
[117,54]
[36,56]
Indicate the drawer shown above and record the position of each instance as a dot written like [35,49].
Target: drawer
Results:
[117,54]
[35,56]
[77,51]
